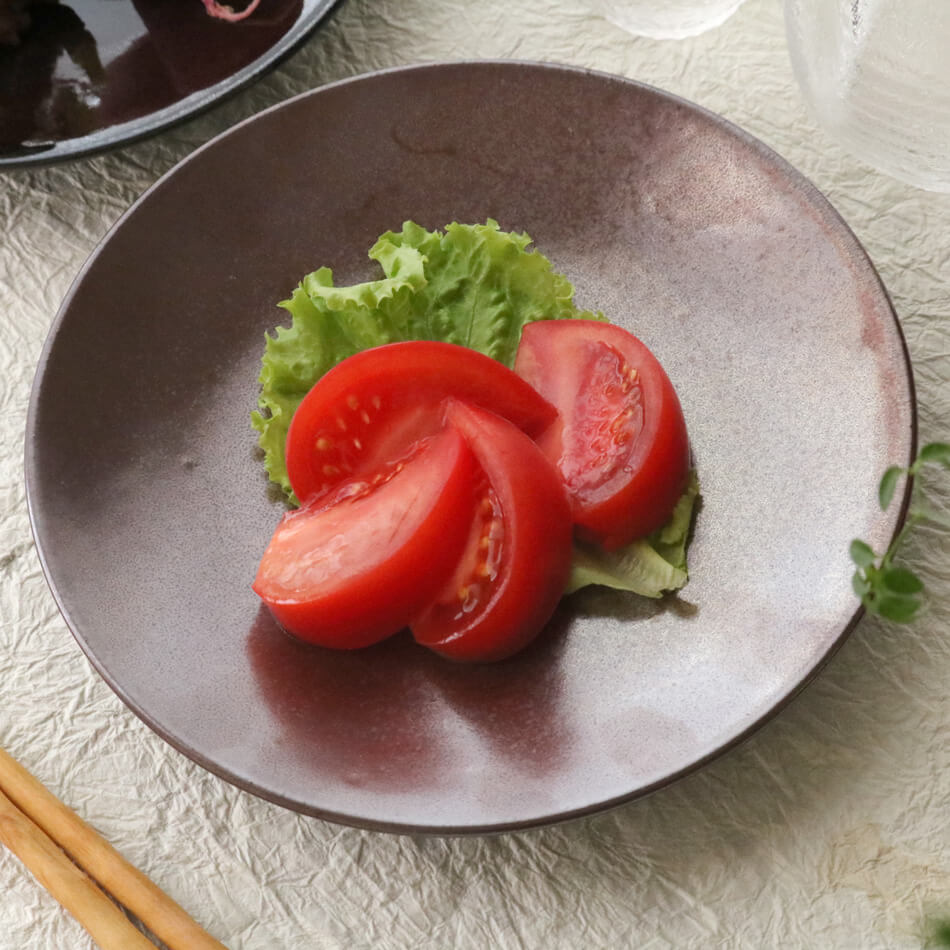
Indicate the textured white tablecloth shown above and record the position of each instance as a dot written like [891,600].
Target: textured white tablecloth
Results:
[828,829]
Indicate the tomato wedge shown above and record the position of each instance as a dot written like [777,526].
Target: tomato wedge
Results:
[518,555]
[354,571]
[365,412]
[620,442]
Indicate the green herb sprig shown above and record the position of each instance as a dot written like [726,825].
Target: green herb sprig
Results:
[888,590]
[938,932]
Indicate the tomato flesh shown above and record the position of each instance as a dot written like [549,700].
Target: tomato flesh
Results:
[620,441]
[442,491]
[516,562]
[352,572]
[365,413]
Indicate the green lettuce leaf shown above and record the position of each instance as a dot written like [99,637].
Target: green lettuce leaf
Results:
[650,566]
[474,285]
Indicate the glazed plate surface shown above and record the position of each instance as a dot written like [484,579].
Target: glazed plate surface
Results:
[151,508]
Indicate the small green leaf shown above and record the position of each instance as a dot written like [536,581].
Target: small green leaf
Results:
[896,592]
[888,485]
[939,932]
[861,553]
[896,607]
[900,580]
[859,584]
[938,452]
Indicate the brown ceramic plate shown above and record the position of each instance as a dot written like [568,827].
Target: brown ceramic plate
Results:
[89,75]
[151,509]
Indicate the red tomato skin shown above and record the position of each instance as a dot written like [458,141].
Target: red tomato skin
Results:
[641,494]
[358,604]
[536,552]
[371,406]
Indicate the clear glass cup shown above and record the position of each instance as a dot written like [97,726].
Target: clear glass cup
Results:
[876,76]
[666,19]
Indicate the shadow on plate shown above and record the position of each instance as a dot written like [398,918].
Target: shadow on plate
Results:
[396,715]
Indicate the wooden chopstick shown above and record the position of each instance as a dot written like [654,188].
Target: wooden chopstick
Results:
[53,820]
[69,884]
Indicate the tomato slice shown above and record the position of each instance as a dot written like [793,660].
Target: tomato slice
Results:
[354,571]
[518,555]
[365,412]
[620,443]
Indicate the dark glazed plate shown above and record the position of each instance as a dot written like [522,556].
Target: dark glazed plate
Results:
[150,508]
[89,75]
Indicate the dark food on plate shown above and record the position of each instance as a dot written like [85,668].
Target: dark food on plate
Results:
[14,20]
[15,16]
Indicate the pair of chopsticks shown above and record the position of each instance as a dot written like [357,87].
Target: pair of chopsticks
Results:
[56,844]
